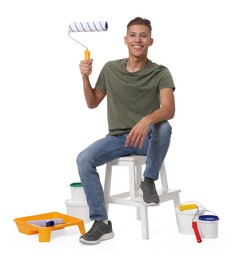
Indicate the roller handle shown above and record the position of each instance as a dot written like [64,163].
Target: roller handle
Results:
[87,54]
[197,234]
[87,57]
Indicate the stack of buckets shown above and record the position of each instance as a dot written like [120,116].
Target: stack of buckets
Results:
[207,221]
[77,205]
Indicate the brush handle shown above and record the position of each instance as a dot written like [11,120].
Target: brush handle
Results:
[87,54]
[197,234]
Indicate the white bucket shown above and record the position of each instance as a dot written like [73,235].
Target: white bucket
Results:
[185,218]
[77,211]
[77,206]
[208,226]
[77,193]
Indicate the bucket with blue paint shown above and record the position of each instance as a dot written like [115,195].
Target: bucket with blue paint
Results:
[208,225]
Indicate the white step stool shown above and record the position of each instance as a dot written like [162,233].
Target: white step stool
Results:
[132,197]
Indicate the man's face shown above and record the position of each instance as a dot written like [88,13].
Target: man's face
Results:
[138,39]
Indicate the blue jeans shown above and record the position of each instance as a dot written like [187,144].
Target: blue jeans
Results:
[111,147]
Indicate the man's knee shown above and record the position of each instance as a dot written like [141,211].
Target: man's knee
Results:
[79,159]
[163,128]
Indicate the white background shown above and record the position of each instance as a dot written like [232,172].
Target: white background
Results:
[45,121]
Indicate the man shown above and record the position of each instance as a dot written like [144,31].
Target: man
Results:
[140,102]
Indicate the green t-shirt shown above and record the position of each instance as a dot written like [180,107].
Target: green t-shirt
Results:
[131,96]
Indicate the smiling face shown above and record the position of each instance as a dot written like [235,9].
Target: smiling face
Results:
[138,40]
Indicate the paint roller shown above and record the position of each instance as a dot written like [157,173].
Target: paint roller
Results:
[96,26]
[194,223]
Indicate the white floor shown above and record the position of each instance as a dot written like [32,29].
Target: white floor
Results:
[165,240]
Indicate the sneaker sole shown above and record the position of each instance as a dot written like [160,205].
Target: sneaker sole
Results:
[102,238]
[148,204]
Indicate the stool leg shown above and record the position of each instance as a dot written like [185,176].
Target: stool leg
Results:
[138,180]
[163,178]
[144,222]
[176,202]
[132,181]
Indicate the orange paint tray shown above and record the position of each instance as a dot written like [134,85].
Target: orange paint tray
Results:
[45,232]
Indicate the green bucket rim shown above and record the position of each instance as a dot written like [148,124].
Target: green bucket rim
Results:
[76,185]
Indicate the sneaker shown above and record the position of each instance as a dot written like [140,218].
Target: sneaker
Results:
[150,195]
[99,232]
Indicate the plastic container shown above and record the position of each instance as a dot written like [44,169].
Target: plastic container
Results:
[208,226]
[77,205]
[78,210]
[185,217]
[45,232]
[77,193]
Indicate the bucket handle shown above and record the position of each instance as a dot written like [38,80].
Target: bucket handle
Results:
[214,214]
[210,212]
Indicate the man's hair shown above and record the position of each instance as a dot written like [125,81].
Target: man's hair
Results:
[140,21]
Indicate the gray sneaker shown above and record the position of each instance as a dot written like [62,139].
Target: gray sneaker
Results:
[99,232]
[150,195]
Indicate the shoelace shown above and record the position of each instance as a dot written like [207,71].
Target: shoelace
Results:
[151,186]
[95,226]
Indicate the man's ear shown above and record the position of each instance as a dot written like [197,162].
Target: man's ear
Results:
[151,41]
